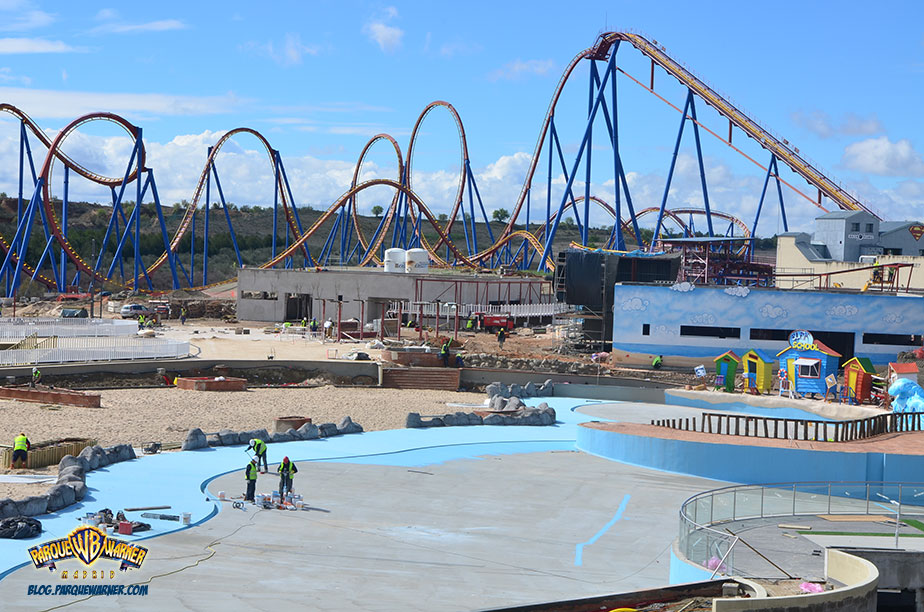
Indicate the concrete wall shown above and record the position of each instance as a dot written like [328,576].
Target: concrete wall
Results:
[335,367]
[371,285]
[858,594]
[577,386]
[665,309]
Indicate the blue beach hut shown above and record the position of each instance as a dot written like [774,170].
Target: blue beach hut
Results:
[807,362]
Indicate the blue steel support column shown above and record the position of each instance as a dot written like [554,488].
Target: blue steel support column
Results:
[22,148]
[617,162]
[62,279]
[192,249]
[473,245]
[702,168]
[484,215]
[117,206]
[548,184]
[585,231]
[564,170]
[298,221]
[779,190]
[24,243]
[670,173]
[18,237]
[171,256]
[590,124]
[138,218]
[275,202]
[221,196]
[205,226]
[763,193]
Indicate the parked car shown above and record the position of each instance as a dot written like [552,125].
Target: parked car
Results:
[132,311]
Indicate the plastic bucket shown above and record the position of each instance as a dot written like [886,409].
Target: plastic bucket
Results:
[221,495]
[186,518]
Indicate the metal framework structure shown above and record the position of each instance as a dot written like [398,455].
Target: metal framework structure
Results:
[525,242]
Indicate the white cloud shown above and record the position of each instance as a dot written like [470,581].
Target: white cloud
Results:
[387,37]
[769,311]
[683,287]
[842,310]
[519,68]
[44,103]
[9,46]
[822,125]
[7,76]
[452,49]
[737,291]
[893,317]
[163,25]
[883,157]
[26,20]
[703,318]
[106,15]
[287,53]
[635,304]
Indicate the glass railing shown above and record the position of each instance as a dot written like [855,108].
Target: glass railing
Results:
[703,541]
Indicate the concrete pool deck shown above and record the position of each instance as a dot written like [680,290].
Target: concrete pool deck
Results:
[472,517]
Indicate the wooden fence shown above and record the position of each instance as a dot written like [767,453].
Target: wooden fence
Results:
[48,453]
[798,429]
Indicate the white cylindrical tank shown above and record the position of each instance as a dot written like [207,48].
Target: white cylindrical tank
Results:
[417,261]
[394,260]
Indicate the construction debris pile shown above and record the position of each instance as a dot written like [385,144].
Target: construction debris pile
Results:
[196,438]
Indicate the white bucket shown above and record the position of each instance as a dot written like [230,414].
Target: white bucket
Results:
[186,518]
[108,529]
[221,495]
[299,504]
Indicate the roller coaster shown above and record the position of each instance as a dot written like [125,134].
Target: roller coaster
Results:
[408,222]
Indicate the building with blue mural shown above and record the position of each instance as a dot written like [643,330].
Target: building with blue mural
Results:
[704,321]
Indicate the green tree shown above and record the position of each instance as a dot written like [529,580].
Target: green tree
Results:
[500,215]
[442,217]
[377,211]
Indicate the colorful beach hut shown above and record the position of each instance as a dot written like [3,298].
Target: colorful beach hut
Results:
[902,370]
[758,370]
[858,380]
[726,365]
[807,363]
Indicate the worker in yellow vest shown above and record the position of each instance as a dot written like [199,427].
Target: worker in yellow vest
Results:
[287,472]
[21,446]
[250,475]
[259,451]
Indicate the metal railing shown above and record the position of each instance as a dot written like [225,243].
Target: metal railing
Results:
[21,327]
[97,349]
[702,543]
[798,429]
[466,310]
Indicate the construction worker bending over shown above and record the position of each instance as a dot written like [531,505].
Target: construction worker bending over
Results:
[657,362]
[287,472]
[21,446]
[250,475]
[36,377]
[259,451]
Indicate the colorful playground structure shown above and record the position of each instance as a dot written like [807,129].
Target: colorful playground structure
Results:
[807,367]
[60,267]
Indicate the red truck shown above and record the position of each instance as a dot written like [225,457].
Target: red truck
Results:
[482,321]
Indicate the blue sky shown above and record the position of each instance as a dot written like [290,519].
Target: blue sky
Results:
[842,82]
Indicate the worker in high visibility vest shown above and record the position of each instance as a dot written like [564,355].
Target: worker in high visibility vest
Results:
[259,451]
[36,377]
[250,475]
[287,471]
[21,446]
[444,354]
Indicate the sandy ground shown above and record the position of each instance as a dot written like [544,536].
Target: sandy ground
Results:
[165,415]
